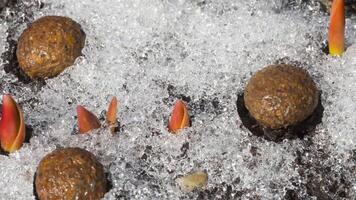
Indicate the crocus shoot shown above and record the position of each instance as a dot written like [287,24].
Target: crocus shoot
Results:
[111,118]
[337,28]
[179,117]
[12,126]
[87,121]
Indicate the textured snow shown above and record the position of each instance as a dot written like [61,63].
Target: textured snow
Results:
[148,54]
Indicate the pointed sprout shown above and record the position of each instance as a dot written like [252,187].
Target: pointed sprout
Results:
[179,118]
[337,28]
[111,114]
[12,126]
[87,121]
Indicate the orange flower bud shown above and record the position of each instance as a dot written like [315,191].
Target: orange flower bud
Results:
[111,114]
[179,118]
[337,28]
[87,121]
[12,126]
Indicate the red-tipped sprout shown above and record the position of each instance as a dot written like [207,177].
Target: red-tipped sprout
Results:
[12,126]
[87,121]
[179,118]
[336,36]
[111,118]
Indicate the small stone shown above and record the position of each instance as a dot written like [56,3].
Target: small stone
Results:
[279,96]
[193,181]
[70,173]
[49,45]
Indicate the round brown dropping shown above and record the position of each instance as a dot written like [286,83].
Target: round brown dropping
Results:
[49,45]
[281,95]
[70,173]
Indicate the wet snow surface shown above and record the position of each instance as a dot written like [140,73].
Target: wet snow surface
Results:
[148,54]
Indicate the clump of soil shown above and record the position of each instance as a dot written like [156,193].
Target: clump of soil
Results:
[70,173]
[279,96]
[49,45]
